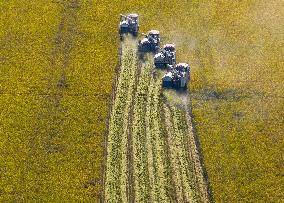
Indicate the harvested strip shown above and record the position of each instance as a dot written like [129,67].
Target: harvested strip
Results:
[179,145]
[171,186]
[202,186]
[141,176]
[149,147]
[116,168]
[148,160]
[174,155]
[157,140]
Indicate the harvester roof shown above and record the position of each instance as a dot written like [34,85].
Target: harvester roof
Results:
[154,32]
[182,65]
[133,15]
[169,45]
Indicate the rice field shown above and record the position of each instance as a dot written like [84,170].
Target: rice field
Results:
[58,61]
[53,111]
[235,52]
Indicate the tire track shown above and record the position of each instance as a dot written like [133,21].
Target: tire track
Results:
[171,189]
[202,182]
[59,62]
[131,182]
[49,139]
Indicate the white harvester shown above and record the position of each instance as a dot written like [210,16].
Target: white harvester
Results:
[166,56]
[129,24]
[177,77]
[150,43]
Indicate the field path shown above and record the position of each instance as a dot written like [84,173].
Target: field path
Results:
[151,153]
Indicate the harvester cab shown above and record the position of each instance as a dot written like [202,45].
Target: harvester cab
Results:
[170,47]
[183,67]
[177,77]
[150,43]
[129,24]
[167,56]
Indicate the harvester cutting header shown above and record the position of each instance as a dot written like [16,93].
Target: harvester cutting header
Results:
[178,75]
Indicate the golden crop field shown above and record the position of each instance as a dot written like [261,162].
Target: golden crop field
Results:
[58,61]
[55,90]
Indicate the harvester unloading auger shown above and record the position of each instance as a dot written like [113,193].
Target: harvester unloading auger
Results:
[129,24]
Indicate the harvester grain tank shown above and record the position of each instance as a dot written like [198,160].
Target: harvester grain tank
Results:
[150,43]
[129,24]
[177,77]
[167,56]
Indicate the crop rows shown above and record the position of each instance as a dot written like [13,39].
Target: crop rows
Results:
[201,184]
[149,156]
[153,133]
[116,176]
[140,152]
[180,155]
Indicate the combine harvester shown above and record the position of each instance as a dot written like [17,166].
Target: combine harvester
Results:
[166,56]
[150,43]
[129,24]
[177,76]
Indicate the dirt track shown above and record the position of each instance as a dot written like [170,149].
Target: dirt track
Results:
[152,154]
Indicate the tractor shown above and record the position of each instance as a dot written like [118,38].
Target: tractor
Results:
[129,24]
[150,43]
[167,56]
[177,77]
